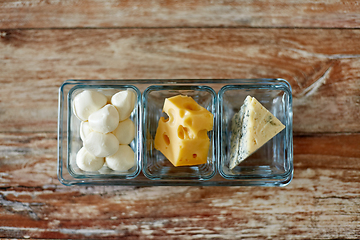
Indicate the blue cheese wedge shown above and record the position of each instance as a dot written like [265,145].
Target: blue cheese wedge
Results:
[251,128]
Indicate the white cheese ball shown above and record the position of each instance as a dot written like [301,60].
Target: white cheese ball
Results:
[124,102]
[87,161]
[104,120]
[85,129]
[100,144]
[125,132]
[87,102]
[122,160]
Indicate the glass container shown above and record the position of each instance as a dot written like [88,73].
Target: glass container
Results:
[271,165]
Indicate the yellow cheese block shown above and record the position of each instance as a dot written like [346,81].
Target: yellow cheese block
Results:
[182,137]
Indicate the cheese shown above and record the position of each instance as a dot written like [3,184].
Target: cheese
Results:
[88,162]
[125,132]
[122,160]
[100,144]
[85,129]
[87,102]
[103,128]
[104,120]
[182,137]
[124,102]
[251,128]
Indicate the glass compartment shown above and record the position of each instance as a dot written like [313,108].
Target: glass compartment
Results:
[272,161]
[155,165]
[71,123]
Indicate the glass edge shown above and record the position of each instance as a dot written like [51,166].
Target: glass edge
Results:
[173,182]
[279,84]
[60,132]
[175,81]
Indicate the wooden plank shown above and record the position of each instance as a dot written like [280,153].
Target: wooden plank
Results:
[23,154]
[173,13]
[321,202]
[321,65]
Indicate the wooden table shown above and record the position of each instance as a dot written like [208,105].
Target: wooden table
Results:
[315,45]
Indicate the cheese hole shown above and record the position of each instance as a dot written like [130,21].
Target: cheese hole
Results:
[188,122]
[182,113]
[194,155]
[183,132]
[202,133]
[192,107]
[171,116]
[166,139]
[187,132]
[165,119]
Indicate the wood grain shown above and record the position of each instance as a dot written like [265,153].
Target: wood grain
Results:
[312,44]
[174,13]
[321,202]
[321,65]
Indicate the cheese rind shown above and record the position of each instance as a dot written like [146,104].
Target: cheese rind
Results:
[182,137]
[251,128]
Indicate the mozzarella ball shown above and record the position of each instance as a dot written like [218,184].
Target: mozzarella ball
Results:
[87,102]
[104,120]
[100,144]
[124,102]
[122,160]
[85,129]
[87,161]
[125,132]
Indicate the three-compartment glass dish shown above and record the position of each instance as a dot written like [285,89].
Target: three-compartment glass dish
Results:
[271,165]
